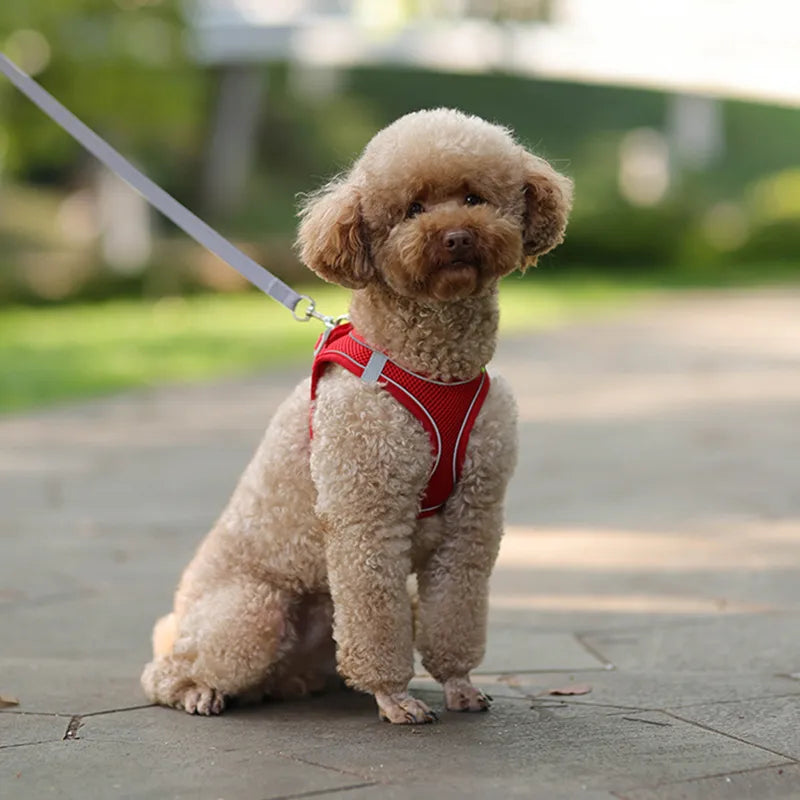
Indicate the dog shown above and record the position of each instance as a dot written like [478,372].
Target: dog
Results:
[305,573]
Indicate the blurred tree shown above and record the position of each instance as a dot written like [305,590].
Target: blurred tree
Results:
[123,66]
[118,66]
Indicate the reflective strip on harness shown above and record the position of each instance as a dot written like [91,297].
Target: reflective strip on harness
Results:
[377,361]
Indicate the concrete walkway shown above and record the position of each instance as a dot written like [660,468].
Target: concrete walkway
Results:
[652,563]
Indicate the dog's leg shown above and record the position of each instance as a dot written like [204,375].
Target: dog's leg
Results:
[454,583]
[225,643]
[372,624]
[369,466]
[452,608]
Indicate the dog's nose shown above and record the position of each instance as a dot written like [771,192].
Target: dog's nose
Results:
[458,243]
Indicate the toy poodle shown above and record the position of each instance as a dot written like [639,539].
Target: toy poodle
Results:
[393,457]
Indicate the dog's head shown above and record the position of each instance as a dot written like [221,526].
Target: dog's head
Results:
[440,206]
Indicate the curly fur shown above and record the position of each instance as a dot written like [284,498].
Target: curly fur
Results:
[320,536]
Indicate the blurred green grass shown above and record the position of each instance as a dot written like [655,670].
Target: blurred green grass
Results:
[58,353]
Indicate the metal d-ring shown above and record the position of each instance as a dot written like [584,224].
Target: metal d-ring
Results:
[308,313]
[311,311]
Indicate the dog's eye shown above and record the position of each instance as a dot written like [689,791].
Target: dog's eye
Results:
[473,200]
[414,209]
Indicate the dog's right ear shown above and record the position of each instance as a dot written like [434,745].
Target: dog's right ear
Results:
[332,238]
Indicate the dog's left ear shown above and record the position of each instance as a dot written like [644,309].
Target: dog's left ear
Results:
[548,200]
[332,239]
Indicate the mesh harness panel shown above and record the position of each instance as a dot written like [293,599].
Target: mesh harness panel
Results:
[447,411]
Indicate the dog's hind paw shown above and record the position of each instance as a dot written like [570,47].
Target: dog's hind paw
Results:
[403,709]
[202,700]
[461,695]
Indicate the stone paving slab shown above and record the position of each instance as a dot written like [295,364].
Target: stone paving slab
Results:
[743,643]
[647,690]
[770,722]
[541,651]
[18,729]
[503,788]
[510,648]
[601,751]
[653,524]
[470,752]
[79,769]
[71,686]
[106,625]
[127,557]
[770,783]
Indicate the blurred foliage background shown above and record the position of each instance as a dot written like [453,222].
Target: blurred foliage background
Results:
[670,189]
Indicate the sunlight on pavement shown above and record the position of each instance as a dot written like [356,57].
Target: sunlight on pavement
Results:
[740,545]
[624,604]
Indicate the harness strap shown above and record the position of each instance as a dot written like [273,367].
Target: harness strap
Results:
[377,361]
[447,411]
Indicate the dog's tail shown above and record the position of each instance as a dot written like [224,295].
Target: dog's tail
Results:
[164,635]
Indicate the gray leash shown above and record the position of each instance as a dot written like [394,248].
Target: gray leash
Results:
[165,203]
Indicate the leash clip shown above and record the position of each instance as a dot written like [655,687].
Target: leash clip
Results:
[311,311]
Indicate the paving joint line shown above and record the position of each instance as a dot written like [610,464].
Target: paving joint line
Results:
[27,744]
[556,703]
[594,652]
[309,762]
[644,627]
[703,778]
[120,710]
[739,700]
[70,715]
[320,792]
[791,760]
[648,722]
[21,713]
[581,670]
[730,736]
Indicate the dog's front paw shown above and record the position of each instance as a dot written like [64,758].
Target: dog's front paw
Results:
[403,709]
[461,695]
[204,700]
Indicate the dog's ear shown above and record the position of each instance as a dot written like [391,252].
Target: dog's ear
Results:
[332,238]
[548,200]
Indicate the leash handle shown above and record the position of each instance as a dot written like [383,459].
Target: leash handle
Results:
[200,231]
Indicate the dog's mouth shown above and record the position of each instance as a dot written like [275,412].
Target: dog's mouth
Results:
[455,279]
[458,264]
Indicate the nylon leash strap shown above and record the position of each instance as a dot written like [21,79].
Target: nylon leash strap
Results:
[200,231]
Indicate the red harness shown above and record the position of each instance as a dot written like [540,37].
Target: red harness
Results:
[447,411]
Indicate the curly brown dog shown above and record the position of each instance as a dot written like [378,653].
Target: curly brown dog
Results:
[326,524]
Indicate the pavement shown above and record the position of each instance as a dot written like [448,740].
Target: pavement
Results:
[645,616]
